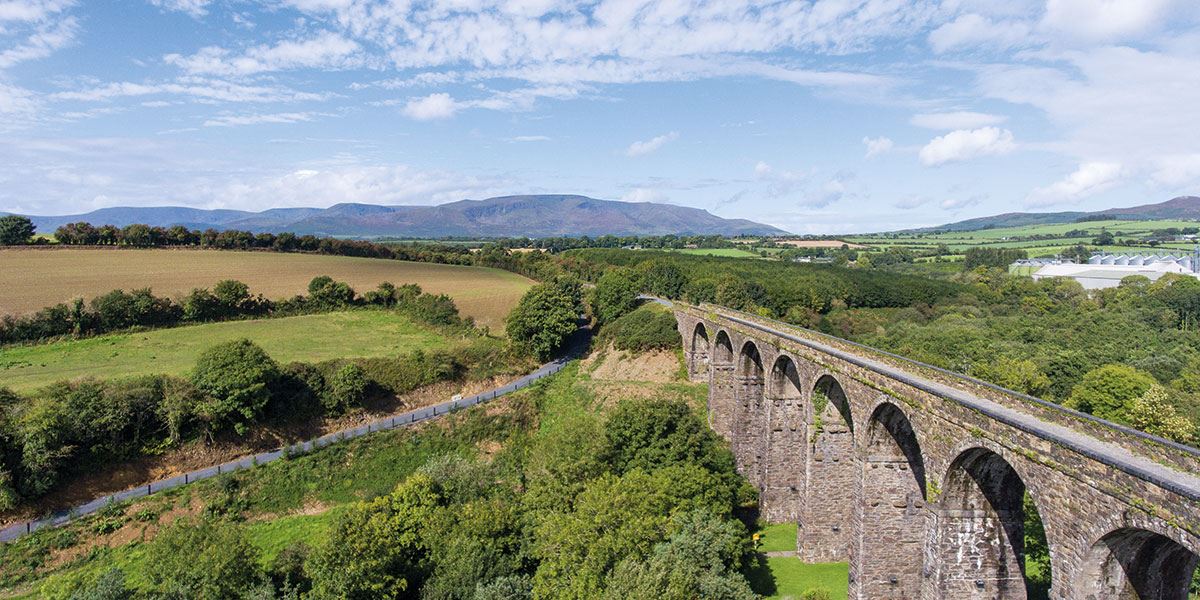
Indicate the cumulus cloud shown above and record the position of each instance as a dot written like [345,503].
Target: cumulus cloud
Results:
[431,107]
[325,50]
[877,146]
[1090,178]
[640,148]
[955,120]
[966,144]
[29,11]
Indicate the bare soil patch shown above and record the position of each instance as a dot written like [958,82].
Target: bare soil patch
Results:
[655,366]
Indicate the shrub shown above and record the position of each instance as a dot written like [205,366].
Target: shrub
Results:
[203,559]
[236,379]
[376,549]
[647,328]
[347,389]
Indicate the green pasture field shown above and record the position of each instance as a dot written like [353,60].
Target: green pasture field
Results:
[39,277]
[726,252]
[309,338]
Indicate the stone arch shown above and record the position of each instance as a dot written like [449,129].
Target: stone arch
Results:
[721,392]
[832,475]
[978,544]
[786,451]
[750,428]
[1133,562]
[891,515]
[699,349]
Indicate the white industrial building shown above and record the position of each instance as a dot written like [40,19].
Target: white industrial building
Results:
[1107,270]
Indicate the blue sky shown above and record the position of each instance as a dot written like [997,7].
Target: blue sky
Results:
[818,117]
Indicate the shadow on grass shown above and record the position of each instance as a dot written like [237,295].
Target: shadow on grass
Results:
[759,574]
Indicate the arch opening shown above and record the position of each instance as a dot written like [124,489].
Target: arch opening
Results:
[750,431]
[721,388]
[886,558]
[699,353]
[1137,563]
[786,433]
[831,481]
[984,516]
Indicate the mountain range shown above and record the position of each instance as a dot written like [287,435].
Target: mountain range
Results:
[506,216]
[1183,207]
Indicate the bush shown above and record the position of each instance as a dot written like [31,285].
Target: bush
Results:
[236,379]
[1109,391]
[376,549]
[647,328]
[203,559]
[347,389]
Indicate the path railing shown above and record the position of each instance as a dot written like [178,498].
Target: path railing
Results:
[396,421]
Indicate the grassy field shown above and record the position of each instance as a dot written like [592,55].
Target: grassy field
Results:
[727,252]
[1055,241]
[38,277]
[791,578]
[311,338]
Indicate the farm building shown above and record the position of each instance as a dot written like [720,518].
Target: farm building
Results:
[1107,270]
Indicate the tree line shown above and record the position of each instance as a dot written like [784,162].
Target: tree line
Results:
[228,299]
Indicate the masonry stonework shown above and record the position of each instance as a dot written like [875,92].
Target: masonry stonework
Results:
[884,465]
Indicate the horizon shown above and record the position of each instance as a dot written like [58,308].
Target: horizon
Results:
[817,119]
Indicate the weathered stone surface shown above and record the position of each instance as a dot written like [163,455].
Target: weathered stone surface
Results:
[917,478]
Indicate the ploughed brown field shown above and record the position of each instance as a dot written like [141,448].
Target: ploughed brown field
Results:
[39,277]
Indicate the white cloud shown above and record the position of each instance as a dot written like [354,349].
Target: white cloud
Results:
[530,138]
[641,148]
[911,202]
[1090,178]
[259,119]
[956,204]
[1177,170]
[197,88]
[374,184]
[955,120]
[326,50]
[31,10]
[1100,20]
[877,146]
[970,30]
[966,144]
[644,195]
[42,42]
[431,107]
[195,8]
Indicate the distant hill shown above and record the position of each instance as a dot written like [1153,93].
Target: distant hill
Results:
[506,216]
[1183,207]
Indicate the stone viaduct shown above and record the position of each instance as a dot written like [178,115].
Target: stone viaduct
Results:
[920,478]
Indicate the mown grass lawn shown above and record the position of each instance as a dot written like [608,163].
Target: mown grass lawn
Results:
[791,578]
[310,338]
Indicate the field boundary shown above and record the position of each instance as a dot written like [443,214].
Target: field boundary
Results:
[396,421]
